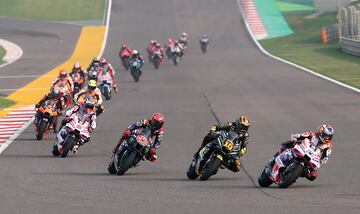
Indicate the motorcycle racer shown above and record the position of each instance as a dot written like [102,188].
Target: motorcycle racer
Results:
[241,127]
[154,124]
[180,46]
[137,56]
[63,78]
[56,97]
[322,139]
[92,90]
[87,112]
[106,66]
[124,51]
[184,39]
[160,49]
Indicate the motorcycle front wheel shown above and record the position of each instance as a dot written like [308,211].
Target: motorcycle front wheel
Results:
[210,169]
[125,162]
[191,172]
[68,145]
[41,129]
[290,174]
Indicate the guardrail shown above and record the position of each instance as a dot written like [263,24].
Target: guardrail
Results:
[350,45]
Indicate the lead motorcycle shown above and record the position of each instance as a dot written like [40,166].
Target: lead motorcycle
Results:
[204,42]
[105,84]
[291,164]
[131,151]
[217,154]
[176,54]
[156,59]
[46,119]
[73,132]
[135,69]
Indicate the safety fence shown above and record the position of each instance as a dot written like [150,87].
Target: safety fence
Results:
[351,45]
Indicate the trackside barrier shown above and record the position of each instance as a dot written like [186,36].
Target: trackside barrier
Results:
[350,46]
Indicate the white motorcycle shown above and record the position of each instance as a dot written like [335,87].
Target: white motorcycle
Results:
[291,164]
[105,84]
[176,54]
[73,133]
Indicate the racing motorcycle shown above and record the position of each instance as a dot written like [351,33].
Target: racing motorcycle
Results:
[217,154]
[204,44]
[78,83]
[92,71]
[168,52]
[176,54]
[74,132]
[156,59]
[105,84]
[131,151]
[135,69]
[46,119]
[291,164]
[125,59]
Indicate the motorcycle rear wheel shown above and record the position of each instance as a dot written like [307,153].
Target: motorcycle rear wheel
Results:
[211,168]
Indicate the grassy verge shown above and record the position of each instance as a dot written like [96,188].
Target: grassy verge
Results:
[304,47]
[4,103]
[2,54]
[59,10]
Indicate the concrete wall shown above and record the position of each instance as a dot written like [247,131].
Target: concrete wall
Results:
[329,5]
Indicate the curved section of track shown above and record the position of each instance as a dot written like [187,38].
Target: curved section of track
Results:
[233,78]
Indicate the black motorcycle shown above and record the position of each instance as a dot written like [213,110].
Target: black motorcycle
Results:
[218,153]
[135,66]
[131,151]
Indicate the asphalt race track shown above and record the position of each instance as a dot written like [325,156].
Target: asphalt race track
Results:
[233,78]
[45,45]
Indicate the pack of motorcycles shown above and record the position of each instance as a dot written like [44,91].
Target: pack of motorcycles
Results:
[287,168]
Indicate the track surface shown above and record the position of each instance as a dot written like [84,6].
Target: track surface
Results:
[234,79]
[45,45]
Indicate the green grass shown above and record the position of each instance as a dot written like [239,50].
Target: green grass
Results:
[56,10]
[4,103]
[2,54]
[304,47]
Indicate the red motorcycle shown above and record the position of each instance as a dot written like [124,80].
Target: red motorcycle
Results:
[125,56]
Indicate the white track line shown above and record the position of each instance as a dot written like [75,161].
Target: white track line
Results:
[4,145]
[107,23]
[290,63]
[6,45]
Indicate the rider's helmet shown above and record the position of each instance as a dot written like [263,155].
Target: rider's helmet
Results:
[95,60]
[92,85]
[157,121]
[204,36]
[158,45]
[135,53]
[152,42]
[55,93]
[184,34]
[170,40]
[89,104]
[242,124]
[77,65]
[102,60]
[325,133]
[62,74]
[123,46]
[176,42]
